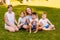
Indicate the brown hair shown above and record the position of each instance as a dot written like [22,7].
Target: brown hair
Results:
[22,12]
[44,12]
[9,6]
[27,12]
[34,13]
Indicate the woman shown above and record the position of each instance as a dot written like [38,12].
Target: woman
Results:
[29,17]
[28,13]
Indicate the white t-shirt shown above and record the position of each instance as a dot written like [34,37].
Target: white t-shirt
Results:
[10,17]
[29,17]
[22,20]
[34,21]
[44,22]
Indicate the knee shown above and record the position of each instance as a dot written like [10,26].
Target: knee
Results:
[30,25]
[25,27]
[16,29]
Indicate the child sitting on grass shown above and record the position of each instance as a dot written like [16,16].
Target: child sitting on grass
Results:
[34,22]
[45,23]
[10,20]
[22,21]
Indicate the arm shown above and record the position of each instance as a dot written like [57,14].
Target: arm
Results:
[49,22]
[19,23]
[40,22]
[15,19]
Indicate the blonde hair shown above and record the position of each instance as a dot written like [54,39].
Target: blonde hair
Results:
[22,12]
[44,12]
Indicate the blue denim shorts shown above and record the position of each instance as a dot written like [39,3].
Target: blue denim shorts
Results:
[33,26]
[47,26]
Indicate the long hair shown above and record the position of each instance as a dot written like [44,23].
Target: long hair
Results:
[27,12]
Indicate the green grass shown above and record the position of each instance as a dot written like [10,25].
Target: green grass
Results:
[53,15]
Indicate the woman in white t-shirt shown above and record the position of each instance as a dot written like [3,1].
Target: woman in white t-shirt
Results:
[10,20]
[45,23]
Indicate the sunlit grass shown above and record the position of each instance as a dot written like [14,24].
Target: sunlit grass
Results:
[53,15]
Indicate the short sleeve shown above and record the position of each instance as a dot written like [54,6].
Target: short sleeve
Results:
[48,20]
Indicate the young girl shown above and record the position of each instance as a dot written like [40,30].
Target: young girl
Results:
[10,20]
[45,23]
[22,21]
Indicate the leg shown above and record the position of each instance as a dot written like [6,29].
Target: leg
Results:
[36,28]
[16,28]
[45,28]
[25,27]
[51,27]
[30,27]
[9,28]
[40,28]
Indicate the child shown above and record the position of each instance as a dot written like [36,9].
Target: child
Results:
[34,22]
[22,21]
[45,23]
[10,20]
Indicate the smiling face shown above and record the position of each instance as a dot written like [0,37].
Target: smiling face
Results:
[29,11]
[43,16]
[10,9]
[22,14]
[33,16]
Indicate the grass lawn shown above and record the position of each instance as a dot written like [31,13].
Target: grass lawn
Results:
[53,15]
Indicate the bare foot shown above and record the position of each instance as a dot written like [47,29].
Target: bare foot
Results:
[30,32]
[35,32]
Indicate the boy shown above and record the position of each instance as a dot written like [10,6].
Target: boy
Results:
[10,20]
[34,23]
[45,23]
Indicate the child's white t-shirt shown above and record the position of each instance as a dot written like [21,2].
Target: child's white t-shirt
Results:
[10,17]
[44,22]
[22,20]
[36,20]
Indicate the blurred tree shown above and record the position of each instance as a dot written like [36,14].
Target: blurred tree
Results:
[2,1]
[20,1]
[7,2]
